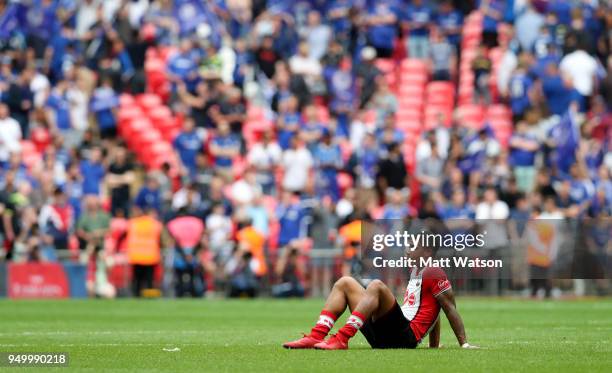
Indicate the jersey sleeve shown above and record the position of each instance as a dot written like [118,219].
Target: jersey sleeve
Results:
[437,281]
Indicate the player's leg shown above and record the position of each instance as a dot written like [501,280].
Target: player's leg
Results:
[377,301]
[347,292]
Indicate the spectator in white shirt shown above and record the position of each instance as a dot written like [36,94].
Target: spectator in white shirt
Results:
[264,157]
[317,35]
[297,164]
[491,213]
[582,68]
[10,134]
[310,68]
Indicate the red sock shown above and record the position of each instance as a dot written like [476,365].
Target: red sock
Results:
[324,325]
[353,324]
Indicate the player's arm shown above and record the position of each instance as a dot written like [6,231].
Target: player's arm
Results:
[434,335]
[446,299]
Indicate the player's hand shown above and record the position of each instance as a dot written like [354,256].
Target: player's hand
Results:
[468,346]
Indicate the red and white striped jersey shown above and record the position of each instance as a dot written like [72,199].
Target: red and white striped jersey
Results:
[420,305]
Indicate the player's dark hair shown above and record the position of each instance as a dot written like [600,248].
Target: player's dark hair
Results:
[435,228]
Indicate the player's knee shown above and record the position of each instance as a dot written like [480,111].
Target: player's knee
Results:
[376,286]
[343,282]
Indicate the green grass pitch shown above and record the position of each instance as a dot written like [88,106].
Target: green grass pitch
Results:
[246,336]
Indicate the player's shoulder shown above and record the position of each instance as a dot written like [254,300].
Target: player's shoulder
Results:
[436,280]
[434,273]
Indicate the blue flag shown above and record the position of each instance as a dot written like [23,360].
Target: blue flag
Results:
[9,21]
[566,136]
[189,14]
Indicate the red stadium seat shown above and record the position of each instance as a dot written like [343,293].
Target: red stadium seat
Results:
[414,102]
[418,80]
[138,125]
[148,101]
[410,90]
[409,126]
[446,89]
[127,114]
[471,116]
[126,99]
[434,114]
[413,66]
[386,66]
[161,118]
[499,112]
[143,143]
[409,116]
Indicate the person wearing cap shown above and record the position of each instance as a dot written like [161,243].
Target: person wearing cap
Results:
[366,73]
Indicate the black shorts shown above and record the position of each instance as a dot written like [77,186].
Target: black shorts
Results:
[390,331]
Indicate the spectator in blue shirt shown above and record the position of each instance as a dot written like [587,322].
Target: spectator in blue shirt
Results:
[493,11]
[443,57]
[104,102]
[182,66]
[59,108]
[416,21]
[558,92]
[527,27]
[523,149]
[343,98]
[73,187]
[93,172]
[42,24]
[562,9]
[328,160]
[603,182]
[188,144]
[288,122]
[338,15]
[538,70]
[312,128]
[396,208]
[364,160]
[543,43]
[290,215]
[449,21]
[519,90]
[457,214]
[149,197]
[381,30]
[225,146]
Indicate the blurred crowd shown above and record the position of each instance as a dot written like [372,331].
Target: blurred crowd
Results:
[242,213]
